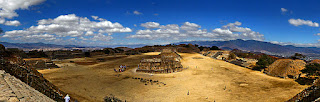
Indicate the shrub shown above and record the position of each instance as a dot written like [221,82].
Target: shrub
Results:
[312,69]
[263,62]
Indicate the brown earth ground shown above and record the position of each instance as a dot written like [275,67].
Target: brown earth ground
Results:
[206,79]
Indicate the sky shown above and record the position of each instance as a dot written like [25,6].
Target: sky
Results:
[129,22]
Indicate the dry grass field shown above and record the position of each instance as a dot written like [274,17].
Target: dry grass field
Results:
[206,80]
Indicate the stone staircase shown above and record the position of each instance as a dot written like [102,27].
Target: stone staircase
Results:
[14,90]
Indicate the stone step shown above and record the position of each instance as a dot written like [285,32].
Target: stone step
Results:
[13,89]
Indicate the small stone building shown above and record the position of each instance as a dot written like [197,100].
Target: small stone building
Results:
[217,54]
[167,61]
[40,63]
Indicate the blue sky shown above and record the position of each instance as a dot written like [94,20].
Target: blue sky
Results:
[165,21]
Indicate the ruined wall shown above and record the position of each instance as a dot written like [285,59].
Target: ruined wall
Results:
[309,94]
[217,54]
[168,61]
[15,66]
[40,63]
[14,90]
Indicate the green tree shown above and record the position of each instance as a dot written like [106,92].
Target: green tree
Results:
[214,48]
[263,62]
[312,69]
[298,56]
[232,56]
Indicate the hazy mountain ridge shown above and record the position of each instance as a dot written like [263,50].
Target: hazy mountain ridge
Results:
[246,45]
[41,45]
[258,46]
[36,45]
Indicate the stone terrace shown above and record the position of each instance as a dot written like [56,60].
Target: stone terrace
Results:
[14,90]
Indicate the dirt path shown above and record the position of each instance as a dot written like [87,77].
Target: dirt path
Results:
[206,79]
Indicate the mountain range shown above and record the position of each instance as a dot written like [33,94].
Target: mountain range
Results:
[245,45]
[259,46]
[38,45]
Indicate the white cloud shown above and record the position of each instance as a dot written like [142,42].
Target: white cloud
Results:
[137,12]
[283,10]
[8,8]
[97,18]
[298,22]
[170,26]
[190,26]
[297,44]
[101,37]
[12,23]
[187,30]
[150,25]
[318,34]
[65,26]
[2,20]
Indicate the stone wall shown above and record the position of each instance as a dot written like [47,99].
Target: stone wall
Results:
[168,61]
[13,90]
[15,66]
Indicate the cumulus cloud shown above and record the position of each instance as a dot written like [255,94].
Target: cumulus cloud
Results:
[150,25]
[298,22]
[68,26]
[97,18]
[12,23]
[190,26]
[2,20]
[137,12]
[318,34]
[8,8]
[283,10]
[230,31]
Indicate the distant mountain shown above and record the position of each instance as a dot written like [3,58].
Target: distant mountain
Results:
[130,46]
[258,46]
[36,45]
[40,45]
[245,45]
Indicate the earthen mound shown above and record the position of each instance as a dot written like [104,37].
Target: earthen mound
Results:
[286,68]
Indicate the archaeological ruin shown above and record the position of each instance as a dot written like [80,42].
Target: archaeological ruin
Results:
[167,61]
[17,67]
[286,68]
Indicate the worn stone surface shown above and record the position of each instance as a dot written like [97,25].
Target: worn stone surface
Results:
[14,90]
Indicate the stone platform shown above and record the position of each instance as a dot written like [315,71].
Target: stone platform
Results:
[14,90]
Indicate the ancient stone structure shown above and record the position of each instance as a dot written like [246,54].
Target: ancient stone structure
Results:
[217,54]
[40,63]
[310,94]
[167,61]
[65,54]
[14,90]
[15,66]
[244,62]
[286,68]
